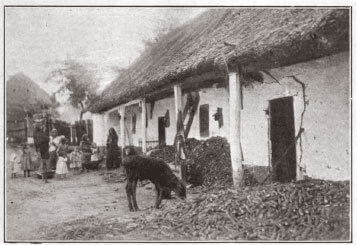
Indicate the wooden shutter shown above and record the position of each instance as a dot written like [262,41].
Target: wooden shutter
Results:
[90,129]
[134,124]
[204,120]
[167,119]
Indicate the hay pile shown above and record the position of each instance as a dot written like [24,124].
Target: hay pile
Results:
[308,210]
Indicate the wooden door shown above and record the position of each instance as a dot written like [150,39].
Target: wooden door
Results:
[162,131]
[282,136]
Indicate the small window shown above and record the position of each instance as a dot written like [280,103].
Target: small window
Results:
[133,130]
[204,120]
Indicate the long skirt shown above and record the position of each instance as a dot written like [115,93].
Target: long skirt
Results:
[26,165]
[75,164]
[53,159]
[113,157]
[85,160]
[44,165]
[61,167]
[16,167]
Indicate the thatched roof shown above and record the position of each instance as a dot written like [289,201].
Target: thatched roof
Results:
[258,38]
[22,95]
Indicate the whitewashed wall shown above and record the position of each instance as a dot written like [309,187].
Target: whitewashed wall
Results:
[325,142]
[99,129]
[133,138]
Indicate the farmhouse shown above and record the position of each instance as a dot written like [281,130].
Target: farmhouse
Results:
[274,82]
[23,99]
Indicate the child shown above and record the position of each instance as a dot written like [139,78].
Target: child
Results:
[26,161]
[85,147]
[76,160]
[95,157]
[61,167]
[15,161]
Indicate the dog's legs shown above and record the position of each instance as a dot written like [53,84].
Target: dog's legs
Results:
[129,194]
[158,195]
[134,185]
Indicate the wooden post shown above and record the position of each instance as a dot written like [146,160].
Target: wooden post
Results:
[71,132]
[180,134]
[143,125]
[178,100]
[29,130]
[74,140]
[105,127]
[122,128]
[234,128]
[25,128]
[87,127]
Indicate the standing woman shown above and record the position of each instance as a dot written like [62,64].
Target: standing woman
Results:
[54,143]
[85,148]
[112,150]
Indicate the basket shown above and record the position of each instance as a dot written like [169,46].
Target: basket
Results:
[50,174]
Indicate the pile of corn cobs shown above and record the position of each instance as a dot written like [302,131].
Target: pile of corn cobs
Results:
[305,210]
[208,161]
[166,153]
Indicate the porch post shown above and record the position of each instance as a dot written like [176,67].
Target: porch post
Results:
[143,125]
[180,156]
[234,127]
[122,128]
[29,130]
[178,100]
[105,127]
[71,133]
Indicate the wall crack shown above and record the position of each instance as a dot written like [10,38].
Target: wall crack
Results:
[306,103]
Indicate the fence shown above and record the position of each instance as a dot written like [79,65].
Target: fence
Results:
[149,143]
[80,128]
[63,128]
[16,131]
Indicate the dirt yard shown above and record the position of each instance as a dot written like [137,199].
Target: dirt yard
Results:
[93,207]
[32,205]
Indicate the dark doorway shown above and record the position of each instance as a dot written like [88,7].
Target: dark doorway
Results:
[282,136]
[204,120]
[162,133]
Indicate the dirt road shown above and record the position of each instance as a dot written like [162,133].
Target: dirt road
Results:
[31,205]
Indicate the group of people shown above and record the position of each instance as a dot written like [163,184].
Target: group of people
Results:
[54,153]
[21,161]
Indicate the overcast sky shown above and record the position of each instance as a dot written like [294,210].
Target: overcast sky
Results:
[38,38]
